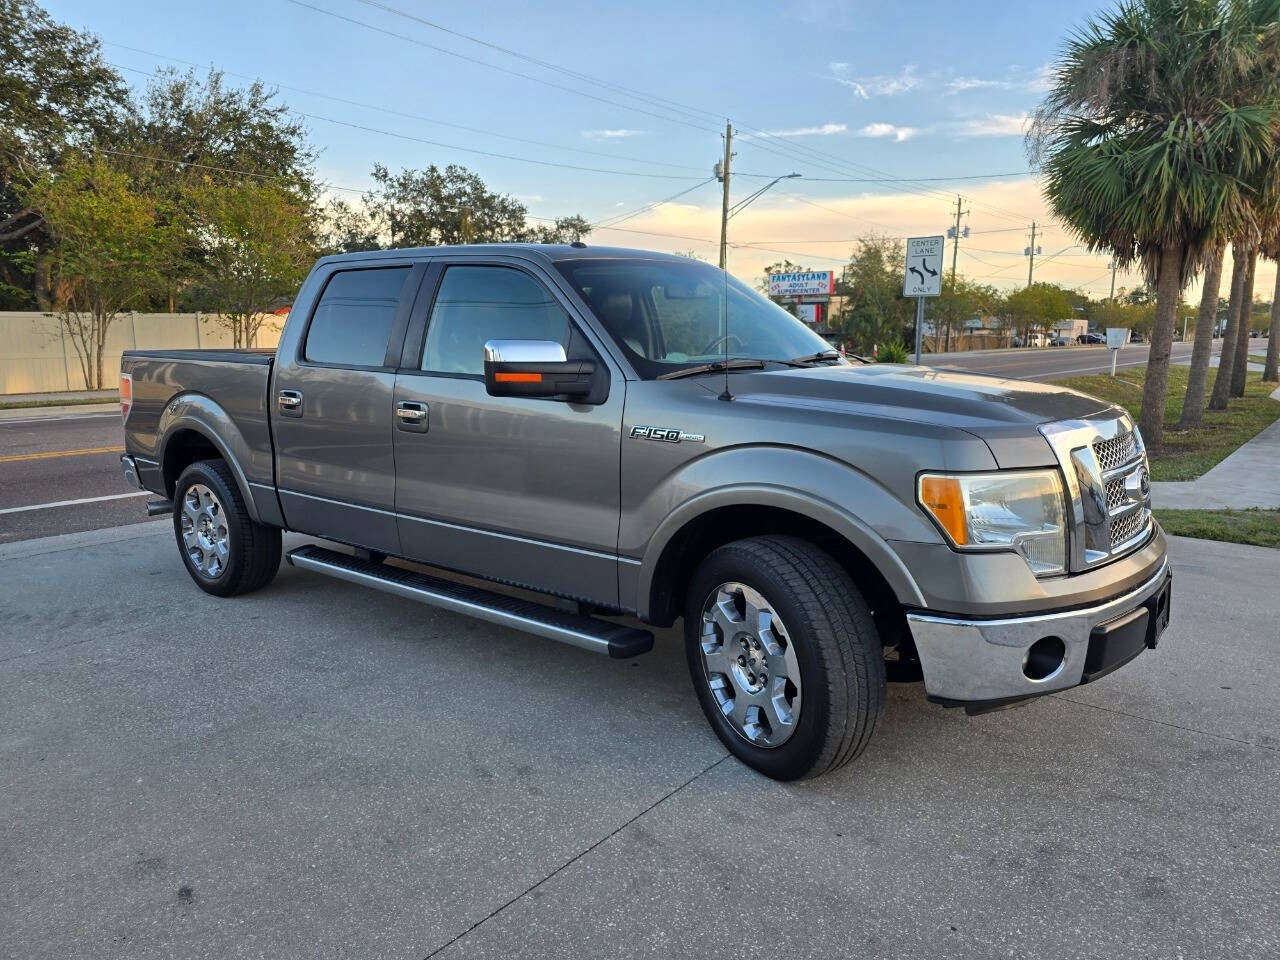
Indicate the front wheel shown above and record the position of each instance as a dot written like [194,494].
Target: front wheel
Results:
[784,655]
[226,552]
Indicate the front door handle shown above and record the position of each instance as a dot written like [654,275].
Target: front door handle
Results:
[412,416]
[290,402]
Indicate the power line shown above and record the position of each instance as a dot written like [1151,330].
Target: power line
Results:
[490,153]
[402,113]
[610,221]
[494,66]
[791,149]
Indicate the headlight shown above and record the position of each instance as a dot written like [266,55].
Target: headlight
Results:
[1023,511]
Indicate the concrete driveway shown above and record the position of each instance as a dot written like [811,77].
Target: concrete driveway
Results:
[321,771]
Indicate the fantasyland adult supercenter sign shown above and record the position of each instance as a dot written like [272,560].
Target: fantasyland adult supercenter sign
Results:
[811,284]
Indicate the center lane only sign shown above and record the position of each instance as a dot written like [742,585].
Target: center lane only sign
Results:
[923,274]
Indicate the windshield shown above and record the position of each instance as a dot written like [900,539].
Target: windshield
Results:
[668,314]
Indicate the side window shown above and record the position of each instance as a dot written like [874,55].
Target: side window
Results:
[354,317]
[476,304]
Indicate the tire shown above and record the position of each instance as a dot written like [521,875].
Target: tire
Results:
[817,624]
[237,555]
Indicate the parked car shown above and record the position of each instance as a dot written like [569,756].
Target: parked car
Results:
[1058,342]
[1088,338]
[630,433]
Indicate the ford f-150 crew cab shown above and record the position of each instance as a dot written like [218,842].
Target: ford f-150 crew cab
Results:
[635,435]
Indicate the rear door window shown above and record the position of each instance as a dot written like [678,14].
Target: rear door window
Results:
[355,315]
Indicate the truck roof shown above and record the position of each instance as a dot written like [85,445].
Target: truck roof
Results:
[548,252]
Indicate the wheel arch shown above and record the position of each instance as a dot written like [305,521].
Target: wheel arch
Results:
[193,428]
[738,512]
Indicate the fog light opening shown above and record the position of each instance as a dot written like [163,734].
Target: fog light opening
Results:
[1044,659]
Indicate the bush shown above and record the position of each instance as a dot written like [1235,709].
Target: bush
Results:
[893,353]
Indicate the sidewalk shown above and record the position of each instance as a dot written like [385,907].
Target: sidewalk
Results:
[1250,477]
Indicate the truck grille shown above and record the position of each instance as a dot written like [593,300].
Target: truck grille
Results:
[1115,452]
[1108,483]
[1115,493]
[1127,526]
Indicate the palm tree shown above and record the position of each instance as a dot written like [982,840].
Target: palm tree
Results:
[1152,128]
[1239,270]
[1206,320]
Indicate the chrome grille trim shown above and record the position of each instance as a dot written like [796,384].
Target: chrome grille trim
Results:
[1104,463]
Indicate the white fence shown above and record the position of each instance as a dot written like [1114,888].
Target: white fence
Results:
[36,356]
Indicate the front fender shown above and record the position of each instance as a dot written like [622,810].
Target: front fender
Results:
[828,491]
[201,414]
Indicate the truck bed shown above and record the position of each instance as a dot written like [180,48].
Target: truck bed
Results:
[221,394]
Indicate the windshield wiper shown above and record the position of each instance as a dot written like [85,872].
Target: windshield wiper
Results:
[815,358]
[717,366]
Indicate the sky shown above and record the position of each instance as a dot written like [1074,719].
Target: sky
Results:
[627,103]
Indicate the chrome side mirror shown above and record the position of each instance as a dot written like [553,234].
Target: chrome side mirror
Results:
[534,368]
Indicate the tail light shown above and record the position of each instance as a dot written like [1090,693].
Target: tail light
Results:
[126,395]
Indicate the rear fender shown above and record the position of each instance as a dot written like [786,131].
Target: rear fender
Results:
[201,414]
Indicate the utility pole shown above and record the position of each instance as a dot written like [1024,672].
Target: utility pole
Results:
[722,174]
[1031,252]
[956,234]
[1112,298]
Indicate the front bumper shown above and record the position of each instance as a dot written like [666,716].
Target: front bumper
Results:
[970,661]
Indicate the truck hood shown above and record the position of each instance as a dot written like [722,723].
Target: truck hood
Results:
[1003,413]
[956,399]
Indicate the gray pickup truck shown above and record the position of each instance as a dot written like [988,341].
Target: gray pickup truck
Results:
[636,436]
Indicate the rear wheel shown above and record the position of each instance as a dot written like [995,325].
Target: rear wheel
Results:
[784,655]
[225,551]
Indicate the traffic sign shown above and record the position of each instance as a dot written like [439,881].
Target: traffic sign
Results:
[922,276]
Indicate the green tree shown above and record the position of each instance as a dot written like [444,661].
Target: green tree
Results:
[1148,138]
[189,131]
[422,208]
[109,248]
[961,300]
[56,94]
[874,310]
[1034,309]
[257,244]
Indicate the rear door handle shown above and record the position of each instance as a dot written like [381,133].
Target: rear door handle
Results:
[290,402]
[412,416]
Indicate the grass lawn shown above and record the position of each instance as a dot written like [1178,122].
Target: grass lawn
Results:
[1258,527]
[72,402]
[1188,453]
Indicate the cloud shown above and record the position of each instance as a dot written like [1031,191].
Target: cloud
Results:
[888,130]
[618,133]
[837,66]
[1015,78]
[994,125]
[882,85]
[826,130]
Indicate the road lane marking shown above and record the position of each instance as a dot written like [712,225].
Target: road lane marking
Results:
[72,503]
[53,454]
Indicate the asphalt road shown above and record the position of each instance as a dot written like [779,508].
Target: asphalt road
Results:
[42,461]
[1050,363]
[55,460]
[319,770]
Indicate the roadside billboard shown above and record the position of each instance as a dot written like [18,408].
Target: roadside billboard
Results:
[810,313]
[812,283]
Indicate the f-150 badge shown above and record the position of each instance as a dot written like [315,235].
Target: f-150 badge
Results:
[669,434]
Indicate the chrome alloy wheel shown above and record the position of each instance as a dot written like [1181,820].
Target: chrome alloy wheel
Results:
[204,531]
[750,665]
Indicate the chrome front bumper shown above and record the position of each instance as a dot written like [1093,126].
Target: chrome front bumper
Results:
[972,660]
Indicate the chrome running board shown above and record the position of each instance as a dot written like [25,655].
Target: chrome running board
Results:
[598,636]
